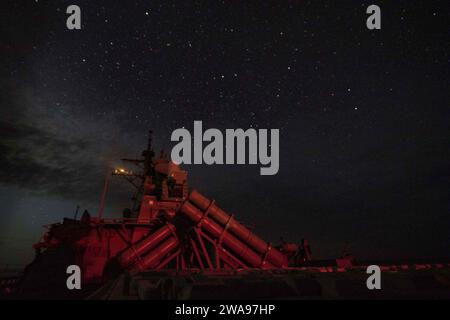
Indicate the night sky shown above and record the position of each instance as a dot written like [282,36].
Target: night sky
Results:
[364,116]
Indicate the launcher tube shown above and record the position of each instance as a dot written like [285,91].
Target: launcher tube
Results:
[152,259]
[248,237]
[230,241]
[145,245]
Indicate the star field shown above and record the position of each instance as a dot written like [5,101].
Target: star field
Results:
[363,115]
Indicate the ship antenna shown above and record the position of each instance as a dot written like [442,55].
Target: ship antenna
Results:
[149,154]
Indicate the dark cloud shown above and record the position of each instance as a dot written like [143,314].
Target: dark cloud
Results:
[53,151]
